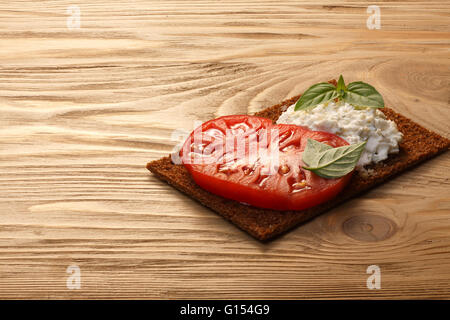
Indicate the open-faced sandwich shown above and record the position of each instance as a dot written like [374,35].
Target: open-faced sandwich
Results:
[288,163]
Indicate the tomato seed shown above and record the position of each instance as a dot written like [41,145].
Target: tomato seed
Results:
[284,169]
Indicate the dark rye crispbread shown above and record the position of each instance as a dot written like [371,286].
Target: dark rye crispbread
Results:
[418,145]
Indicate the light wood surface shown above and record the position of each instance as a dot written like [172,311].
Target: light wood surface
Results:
[83,110]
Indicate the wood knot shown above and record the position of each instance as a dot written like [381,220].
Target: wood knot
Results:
[369,228]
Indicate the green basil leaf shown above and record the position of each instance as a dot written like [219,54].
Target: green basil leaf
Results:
[313,148]
[340,88]
[331,163]
[316,94]
[363,95]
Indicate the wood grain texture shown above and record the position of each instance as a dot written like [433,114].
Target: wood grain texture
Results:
[83,110]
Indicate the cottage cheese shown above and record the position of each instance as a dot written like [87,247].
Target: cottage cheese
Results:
[353,125]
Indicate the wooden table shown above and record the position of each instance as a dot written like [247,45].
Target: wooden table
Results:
[84,109]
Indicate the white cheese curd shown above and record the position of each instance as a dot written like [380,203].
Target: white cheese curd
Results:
[353,125]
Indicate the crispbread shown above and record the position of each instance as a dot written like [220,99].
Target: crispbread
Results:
[418,145]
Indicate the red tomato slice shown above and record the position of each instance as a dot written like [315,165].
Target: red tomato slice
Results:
[251,160]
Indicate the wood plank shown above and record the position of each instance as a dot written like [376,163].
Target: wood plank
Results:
[83,110]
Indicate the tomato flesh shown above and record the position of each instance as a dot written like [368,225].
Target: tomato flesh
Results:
[251,160]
